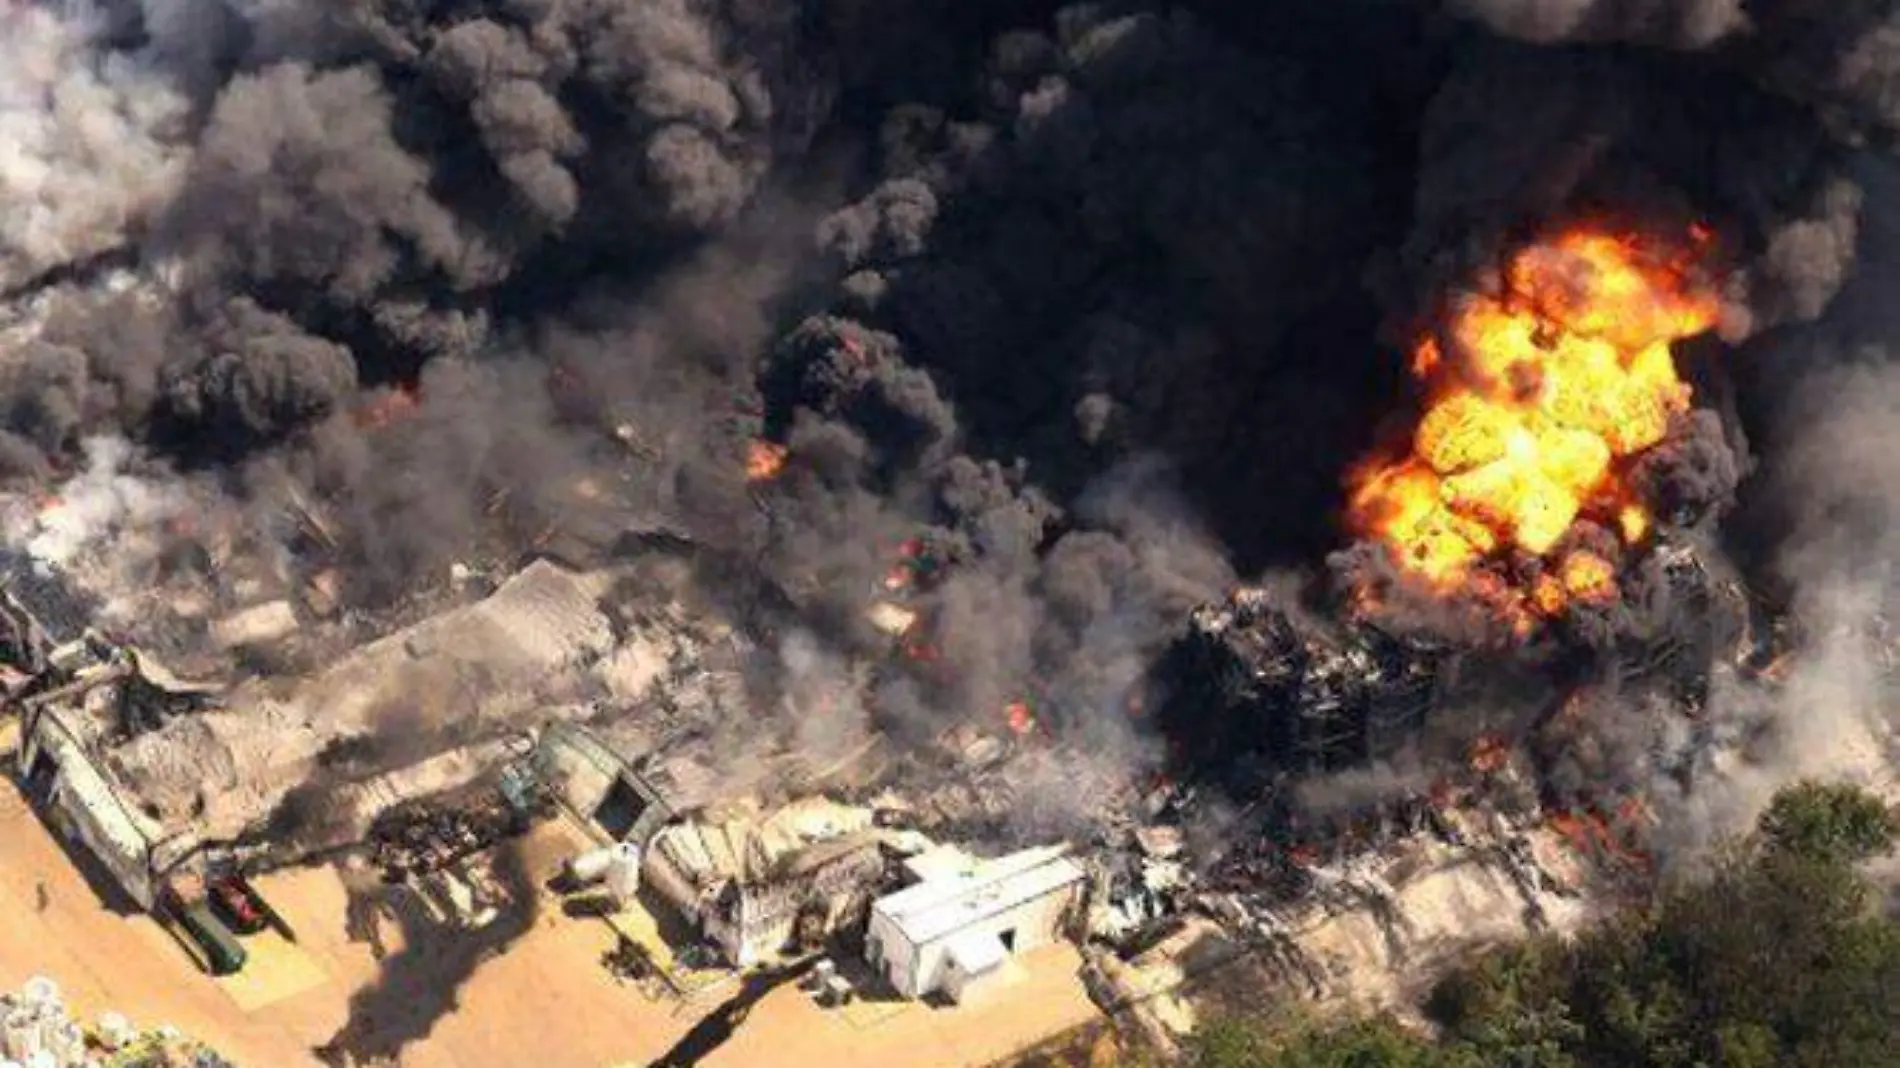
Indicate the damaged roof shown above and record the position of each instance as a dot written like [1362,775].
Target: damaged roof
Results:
[61,609]
[789,842]
[484,663]
[539,622]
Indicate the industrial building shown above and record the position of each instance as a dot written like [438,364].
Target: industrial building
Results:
[755,884]
[64,739]
[142,769]
[953,931]
[603,788]
[449,690]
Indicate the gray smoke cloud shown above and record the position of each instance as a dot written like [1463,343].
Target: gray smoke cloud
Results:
[93,140]
[1676,23]
[1076,299]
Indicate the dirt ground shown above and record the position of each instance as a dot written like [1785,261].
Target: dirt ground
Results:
[542,999]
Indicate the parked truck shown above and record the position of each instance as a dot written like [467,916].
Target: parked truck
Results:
[185,909]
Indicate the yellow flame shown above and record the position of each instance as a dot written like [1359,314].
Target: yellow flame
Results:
[1535,395]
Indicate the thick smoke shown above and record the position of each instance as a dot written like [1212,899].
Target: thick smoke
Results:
[1677,23]
[1091,306]
[95,141]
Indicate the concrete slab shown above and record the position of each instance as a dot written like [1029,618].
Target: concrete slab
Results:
[278,969]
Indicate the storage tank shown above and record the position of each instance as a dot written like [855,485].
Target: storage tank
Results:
[623,873]
[115,1032]
[590,867]
[39,991]
[21,1032]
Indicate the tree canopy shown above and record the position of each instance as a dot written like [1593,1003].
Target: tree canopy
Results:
[1777,957]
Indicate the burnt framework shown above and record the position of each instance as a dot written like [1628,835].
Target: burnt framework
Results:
[1251,690]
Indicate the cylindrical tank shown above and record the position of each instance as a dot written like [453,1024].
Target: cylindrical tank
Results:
[623,874]
[590,867]
[115,1031]
[39,990]
[21,1034]
[67,1043]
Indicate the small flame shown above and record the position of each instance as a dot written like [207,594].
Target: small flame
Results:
[764,460]
[1633,521]
[1021,719]
[387,407]
[1490,753]
[1591,834]
[912,563]
[1589,578]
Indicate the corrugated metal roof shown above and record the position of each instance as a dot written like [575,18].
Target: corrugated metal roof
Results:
[788,842]
[976,952]
[938,907]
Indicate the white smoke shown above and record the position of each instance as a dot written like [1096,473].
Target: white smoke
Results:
[86,522]
[822,697]
[88,139]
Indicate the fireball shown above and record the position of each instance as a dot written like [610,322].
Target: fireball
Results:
[1537,396]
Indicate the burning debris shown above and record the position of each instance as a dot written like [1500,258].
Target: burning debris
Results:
[951,503]
[431,835]
[1254,687]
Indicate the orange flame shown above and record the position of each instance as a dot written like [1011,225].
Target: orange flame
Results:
[1590,834]
[1490,753]
[1021,719]
[388,407]
[1535,397]
[903,574]
[764,460]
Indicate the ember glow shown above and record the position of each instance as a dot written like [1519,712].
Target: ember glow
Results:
[385,408]
[1536,398]
[1022,719]
[764,460]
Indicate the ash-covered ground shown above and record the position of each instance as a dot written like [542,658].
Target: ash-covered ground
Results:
[1037,325]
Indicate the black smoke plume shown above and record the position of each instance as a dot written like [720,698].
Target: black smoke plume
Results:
[1097,302]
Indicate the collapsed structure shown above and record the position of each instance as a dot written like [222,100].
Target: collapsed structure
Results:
[553,685]
[756,883]
[1300,698]
[151,771]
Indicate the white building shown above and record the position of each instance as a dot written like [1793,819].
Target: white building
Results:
[954,931]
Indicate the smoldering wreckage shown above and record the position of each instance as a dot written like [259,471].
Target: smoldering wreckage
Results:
[422,421]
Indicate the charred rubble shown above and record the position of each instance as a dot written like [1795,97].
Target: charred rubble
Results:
[1261,687]
[1257,692]
[517,290]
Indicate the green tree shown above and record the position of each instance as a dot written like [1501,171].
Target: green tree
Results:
[1373,1043]
[1777,956]
[1829,822]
